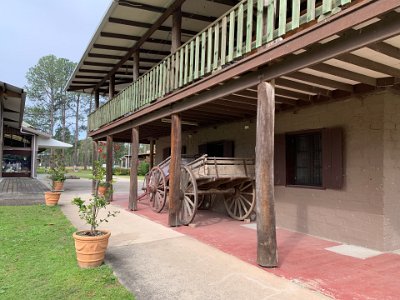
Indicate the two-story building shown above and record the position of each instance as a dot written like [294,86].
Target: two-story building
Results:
[308,88]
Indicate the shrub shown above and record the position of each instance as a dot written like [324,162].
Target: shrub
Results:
[143,168]
[121,171]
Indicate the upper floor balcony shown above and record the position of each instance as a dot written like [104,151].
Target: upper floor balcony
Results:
[235,35]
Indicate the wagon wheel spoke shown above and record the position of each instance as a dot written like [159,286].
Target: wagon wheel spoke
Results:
[240,204]
[157,187]
[189,196]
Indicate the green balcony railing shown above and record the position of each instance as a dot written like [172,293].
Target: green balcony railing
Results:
[245,27]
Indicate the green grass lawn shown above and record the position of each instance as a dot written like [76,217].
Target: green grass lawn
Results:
[88,174]
[37,259]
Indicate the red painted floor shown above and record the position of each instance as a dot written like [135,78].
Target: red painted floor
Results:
[301,257]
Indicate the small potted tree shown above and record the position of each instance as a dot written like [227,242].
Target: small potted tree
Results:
[99,175]
[57,176]
[91,245]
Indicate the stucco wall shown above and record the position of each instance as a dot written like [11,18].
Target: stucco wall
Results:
[354,214]
[391,175]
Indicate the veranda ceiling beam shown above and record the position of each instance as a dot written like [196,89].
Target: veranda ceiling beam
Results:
[154,27]
[158,9]
[147,25]
[343,73]
[133,38]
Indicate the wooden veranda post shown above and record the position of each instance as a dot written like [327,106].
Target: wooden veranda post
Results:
[133,185]
[151,163]
[95,157]
[135,72]
[96,99]
[176,29]
[111,87]
[175,170]
[109,167]
[266,231]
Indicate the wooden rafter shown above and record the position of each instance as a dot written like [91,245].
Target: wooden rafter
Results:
[158,9]
[147,25]
[312,79]
[133,38]
[154,27]
[370,64]
[386,49]
[343,73]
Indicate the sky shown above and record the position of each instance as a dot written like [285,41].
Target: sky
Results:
[30,29]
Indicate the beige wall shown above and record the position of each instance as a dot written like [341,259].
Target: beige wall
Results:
[354,214]
[391,174]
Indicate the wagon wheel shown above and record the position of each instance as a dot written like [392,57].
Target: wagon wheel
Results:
[206,201]
[157,189]
[188,196]
[240,204]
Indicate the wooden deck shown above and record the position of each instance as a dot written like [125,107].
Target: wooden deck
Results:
[21,191]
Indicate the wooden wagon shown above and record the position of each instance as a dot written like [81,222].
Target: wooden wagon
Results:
[157,182]
[205,176]
[231,177]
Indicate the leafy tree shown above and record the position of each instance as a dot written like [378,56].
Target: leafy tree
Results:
[45,89]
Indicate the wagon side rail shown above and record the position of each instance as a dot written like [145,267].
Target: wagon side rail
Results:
[223,167]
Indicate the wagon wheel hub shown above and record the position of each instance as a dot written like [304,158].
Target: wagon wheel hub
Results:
[181,195]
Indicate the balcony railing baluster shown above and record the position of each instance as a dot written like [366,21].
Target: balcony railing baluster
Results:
[227,39]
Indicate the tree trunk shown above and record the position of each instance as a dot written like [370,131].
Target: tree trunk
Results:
[63,121]
[52,104]
[76,138]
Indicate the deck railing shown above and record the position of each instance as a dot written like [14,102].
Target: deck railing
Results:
[245,27]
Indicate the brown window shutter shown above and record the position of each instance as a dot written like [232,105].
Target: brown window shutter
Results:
[280,159]
[332,158]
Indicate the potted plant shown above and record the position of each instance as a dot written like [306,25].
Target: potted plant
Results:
[91,244]
[99,174]
[57,175]
[51,198]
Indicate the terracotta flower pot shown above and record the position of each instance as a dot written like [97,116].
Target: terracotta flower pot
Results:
[90,250]
[58,185]
[102,190]
[51,198]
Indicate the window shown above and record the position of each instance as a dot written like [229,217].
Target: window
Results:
[217,149]
[167,152]
[309,158]
[304,157]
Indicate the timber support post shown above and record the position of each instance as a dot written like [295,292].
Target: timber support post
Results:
[109,167]
[135,72]
[265,206]
[176,30]
[95,157]
[96,99]
[133,184]
[175,171]
[111,87]
[151,162]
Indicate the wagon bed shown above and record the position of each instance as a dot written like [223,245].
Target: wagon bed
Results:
[231,177]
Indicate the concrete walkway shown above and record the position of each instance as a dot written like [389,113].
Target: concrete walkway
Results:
[156,262]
